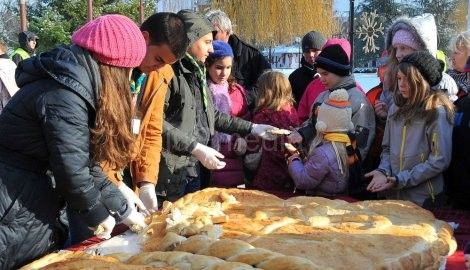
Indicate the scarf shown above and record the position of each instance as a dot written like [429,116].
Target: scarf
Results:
[222,103]
[338,137]
[137,84]
[201,76]
[460,79]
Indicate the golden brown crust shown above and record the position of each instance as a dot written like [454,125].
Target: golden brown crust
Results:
[374,234]
[185,260]
[67,260]
[255,229]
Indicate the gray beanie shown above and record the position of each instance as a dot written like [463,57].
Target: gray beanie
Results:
[196,25]
[313,40]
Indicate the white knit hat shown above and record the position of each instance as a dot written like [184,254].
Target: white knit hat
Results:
[334,115]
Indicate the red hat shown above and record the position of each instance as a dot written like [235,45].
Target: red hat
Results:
[113,39]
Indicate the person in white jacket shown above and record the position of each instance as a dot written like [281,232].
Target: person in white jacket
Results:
[405,36]
[417,141]
[8,85]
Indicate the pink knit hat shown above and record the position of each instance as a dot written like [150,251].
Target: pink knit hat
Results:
[343,43]
[406,38]
[113,40]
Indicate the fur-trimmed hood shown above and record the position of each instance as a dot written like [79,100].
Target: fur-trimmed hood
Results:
[423,27]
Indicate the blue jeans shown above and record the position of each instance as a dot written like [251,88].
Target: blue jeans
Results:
[78,229]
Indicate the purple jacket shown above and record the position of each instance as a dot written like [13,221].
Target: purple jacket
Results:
[320,175]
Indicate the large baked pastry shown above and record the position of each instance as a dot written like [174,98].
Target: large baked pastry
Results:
[262,230]
[233,229]
[67,260]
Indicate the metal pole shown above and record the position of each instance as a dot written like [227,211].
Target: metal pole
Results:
[141,11]
[351,31]
[23,21]
[89,10]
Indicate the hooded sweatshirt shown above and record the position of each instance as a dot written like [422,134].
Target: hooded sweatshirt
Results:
[24,51]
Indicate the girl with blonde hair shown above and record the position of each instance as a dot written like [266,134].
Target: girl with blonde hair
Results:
[274,106]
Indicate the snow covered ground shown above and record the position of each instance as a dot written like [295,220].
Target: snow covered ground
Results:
[366,80]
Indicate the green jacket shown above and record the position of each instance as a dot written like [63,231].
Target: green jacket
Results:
[179,129]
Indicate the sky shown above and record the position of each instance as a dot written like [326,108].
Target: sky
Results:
[342,5]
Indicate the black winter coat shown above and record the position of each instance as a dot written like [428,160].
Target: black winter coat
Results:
[457,184]
[248,65]
[180,130]
[46,127]
[300,78]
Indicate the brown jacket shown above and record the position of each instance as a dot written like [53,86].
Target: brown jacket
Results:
[148,145]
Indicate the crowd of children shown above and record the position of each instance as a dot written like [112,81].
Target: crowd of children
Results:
[194,125]
[401,129]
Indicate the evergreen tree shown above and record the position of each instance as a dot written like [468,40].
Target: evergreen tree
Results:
[446,14]
[55,20]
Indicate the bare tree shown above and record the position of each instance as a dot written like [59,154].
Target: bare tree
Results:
[10,23]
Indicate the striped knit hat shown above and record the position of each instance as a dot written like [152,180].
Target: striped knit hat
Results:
[113,39]
[334,115]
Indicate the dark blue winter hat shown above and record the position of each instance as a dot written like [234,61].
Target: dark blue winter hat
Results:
[221,49]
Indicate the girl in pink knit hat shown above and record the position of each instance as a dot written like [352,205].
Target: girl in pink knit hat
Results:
[73,111]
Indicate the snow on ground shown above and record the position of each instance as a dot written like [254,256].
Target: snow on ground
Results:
[366,80]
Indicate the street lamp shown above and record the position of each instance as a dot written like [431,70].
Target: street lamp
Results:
[351,31]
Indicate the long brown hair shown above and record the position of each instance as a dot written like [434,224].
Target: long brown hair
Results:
[392,65]
[274,91]
[422,103]
[111,137]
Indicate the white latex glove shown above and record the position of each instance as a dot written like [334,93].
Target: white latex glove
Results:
[104,229]
[261,130]
[209,157]
[131,197]
[135,221]
[148,196]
